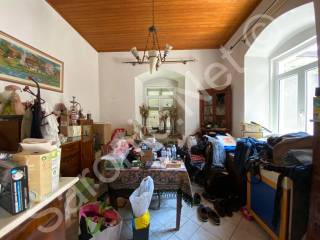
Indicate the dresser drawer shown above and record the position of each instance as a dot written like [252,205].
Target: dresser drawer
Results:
[70,165]
[70,149]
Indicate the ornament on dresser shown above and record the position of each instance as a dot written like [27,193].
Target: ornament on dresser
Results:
[163,117]
[10,102]
[173,114]
[144,112]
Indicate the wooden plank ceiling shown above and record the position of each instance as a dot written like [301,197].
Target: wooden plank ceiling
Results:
[118,25]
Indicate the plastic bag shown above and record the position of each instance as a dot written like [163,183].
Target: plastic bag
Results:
[140,199]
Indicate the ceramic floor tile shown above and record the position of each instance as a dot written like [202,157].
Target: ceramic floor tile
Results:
[235,219]
[168,203]
[224,231]
[202,234]
[250,229]
[189,212]
[163,223]
[195,218]
[174,237]
[163,233]
[164,216]
[171,224]
[187,230]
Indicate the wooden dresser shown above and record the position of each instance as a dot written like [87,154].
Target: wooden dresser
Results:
[71,159]
[76,156]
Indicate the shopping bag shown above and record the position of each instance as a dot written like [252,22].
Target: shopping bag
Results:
[99,221]
[140,199]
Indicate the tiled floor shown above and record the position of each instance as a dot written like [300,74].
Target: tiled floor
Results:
[163,224]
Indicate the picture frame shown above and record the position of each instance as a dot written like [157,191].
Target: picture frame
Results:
[19,61]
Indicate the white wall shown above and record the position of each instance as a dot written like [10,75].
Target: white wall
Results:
[257,90]
[237,54]
[37,24]
[117,84]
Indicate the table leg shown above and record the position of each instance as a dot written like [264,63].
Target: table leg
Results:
[179,207]
[159,200]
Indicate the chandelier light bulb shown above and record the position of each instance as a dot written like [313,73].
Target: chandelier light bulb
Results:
[167,49]
[153,59]
[135,52]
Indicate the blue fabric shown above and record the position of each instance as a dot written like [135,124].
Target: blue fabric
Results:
[230,148]
[245,149]
[218,152]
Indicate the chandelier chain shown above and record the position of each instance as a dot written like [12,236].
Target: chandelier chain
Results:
[152,12]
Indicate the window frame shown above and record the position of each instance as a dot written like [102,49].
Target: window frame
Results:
[170,88]
[275,79]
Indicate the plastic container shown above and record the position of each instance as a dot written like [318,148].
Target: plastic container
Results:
[174,152]
[163,152]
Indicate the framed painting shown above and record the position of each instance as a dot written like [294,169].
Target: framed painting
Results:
[18,61]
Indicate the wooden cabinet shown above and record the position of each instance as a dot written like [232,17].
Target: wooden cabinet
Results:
[10,132]
[78,155]
[87,154]
[71,159]
[45,219]
[216,110]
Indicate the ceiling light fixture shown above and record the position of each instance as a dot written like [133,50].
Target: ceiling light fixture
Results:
[153,56]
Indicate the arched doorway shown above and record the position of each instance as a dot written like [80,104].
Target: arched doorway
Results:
[161,80]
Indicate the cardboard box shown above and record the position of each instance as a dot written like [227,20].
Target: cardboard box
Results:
[256,135]
[146,155]
[56,160]
[39,171]
[64,120]
[250,127]
[103,132]
[71,131]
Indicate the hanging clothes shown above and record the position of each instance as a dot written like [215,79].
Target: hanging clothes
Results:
[50,126]
[36,114]
[218,152]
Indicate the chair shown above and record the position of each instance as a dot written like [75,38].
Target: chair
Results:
[198,166]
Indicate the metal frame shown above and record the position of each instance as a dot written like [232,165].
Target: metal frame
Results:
[155,46]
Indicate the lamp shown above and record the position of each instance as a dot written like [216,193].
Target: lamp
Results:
[153,55]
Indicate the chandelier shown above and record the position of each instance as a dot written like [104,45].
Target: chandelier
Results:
[153,56]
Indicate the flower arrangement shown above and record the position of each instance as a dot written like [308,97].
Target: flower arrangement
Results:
[144,111]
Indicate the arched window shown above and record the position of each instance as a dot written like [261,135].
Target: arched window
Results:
[295,77]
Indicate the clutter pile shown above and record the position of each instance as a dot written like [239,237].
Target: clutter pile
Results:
[34,172]
[99,221]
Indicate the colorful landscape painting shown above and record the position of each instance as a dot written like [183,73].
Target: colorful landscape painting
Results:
[18,61]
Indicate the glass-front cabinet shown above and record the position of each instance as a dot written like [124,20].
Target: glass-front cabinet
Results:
[215,110]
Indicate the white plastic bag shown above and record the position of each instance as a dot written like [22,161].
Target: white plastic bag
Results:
[141,197]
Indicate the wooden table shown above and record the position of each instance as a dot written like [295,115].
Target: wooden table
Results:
[173,181]
[28,224]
